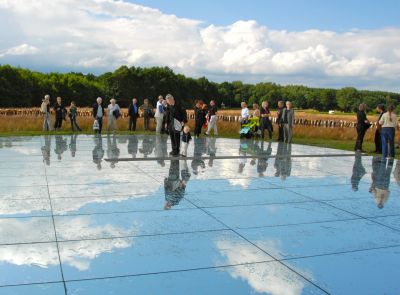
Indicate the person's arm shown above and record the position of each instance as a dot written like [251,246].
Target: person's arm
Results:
[382,120]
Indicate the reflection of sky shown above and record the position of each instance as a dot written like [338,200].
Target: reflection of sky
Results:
[77,187]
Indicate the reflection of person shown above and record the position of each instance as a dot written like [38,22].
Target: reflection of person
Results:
[362,126]
[199,146]
[396,172]
[147,146]
[358,172]
[176,117]
[61,146]
[380,190]
[161,149]
[380,108]
[133,144]
[98,151]
[45,110]
[242,154]
[133,113]
[72,144]
[211,150]
[283,160]
[60,111]
[112,150]
[262,163]
[98,113]
[46,149]
[174,187]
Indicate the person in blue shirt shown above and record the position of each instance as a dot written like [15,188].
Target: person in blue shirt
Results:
[133,113]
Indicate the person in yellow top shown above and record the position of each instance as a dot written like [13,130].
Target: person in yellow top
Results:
[389,124]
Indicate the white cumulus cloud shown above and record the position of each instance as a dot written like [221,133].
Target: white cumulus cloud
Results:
[100,35]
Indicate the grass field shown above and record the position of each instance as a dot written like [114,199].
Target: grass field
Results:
[338,137]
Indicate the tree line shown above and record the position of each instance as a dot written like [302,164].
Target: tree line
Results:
[24,88]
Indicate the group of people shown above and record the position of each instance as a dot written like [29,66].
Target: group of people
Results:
[387,124]
[285,119]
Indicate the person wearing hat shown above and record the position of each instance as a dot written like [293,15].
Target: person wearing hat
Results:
[113,112]
[98,113]
[45,110]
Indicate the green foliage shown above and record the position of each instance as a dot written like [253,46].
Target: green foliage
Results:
[24,88]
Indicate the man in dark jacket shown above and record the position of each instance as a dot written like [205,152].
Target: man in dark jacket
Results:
[98,112]
[60,112]
[176,117]
[281,107]
[133,113]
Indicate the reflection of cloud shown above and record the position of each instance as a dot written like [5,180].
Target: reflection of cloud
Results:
[269,278]
[76,254]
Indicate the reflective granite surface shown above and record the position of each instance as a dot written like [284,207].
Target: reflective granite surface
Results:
[274,219]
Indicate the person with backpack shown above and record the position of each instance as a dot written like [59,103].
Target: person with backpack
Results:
[45,110]
[73,112]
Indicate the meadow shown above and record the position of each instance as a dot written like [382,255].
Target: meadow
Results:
[335,137]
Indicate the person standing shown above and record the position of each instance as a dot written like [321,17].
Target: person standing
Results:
[288,122]
[45,109]
[60,111]
[73,112]
[244,115]
[389,124]
[186,138]
[147,110]
[114,112]
[378,141]
[362,126]
[199,117]
[281,107]
[176,117]
[133,113]
[98,113]
[265,122]
[159,115]
[212,115]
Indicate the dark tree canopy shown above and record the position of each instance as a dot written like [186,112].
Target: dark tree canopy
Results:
[24,88]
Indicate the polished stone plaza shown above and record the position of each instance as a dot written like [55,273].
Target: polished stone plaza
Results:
[115,215]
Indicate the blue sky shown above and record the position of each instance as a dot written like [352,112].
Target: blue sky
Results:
[314,43]
[294,15]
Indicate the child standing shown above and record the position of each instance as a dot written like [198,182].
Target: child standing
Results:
[186,138]
[73,112]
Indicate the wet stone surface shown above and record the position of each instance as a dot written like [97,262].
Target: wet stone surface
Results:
[77,218]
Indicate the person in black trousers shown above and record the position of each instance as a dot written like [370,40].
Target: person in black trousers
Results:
[60,112]
[358,172]
[380,108]
[176,117]
[281,106]
[133,113]
[265,122]
[199,118]
[98,113]
[362,126]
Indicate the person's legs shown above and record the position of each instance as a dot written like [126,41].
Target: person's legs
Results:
[76,125]
[130,123]
[46,126]
[290,133]
[378,142]
[175,142]
[214,118]
[280,135]
[100,121]
[146,122]
[391,133]
[384,143]
[134,123]
[286,132]
[72,125]
[159,121]
[269,128]
[184,148]
[358,140]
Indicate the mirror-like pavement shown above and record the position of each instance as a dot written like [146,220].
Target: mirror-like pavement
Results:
[73,223]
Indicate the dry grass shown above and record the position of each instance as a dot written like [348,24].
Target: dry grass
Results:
[21,124]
